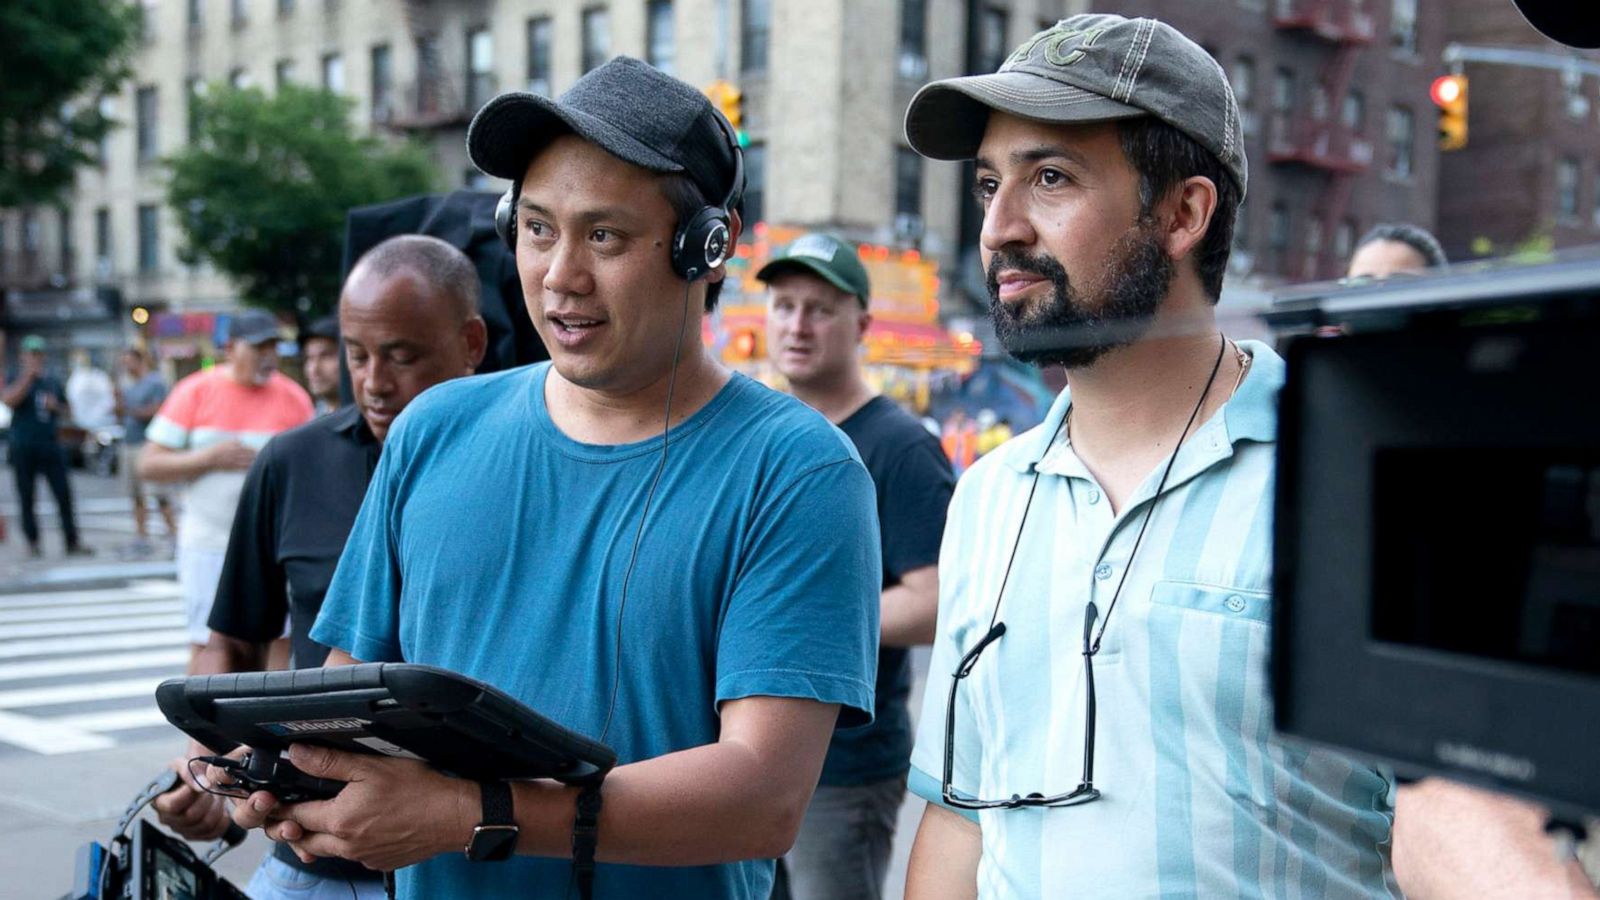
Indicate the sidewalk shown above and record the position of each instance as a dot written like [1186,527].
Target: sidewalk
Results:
[105,524]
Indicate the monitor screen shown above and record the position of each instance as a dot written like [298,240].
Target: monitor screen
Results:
[1489,552]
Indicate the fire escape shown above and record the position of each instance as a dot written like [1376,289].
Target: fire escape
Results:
[433,99]
[1316,136]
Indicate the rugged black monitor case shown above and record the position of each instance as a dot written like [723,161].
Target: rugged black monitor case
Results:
[461,726]
[1487,362]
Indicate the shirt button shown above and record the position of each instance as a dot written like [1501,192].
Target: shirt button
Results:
[1235,603]
[1094,497]
[1102,571]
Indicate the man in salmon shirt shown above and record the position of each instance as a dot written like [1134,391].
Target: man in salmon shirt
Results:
[205,436]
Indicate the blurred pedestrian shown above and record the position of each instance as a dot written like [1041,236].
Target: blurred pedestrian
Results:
[319,350]
[1395,249]
[1114,595]
[410,320]
[91,393]
[960,440]
[713,643]
[39,406]
[817,314]
[139,401]
[205,436]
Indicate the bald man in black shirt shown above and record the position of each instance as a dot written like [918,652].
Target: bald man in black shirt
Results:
[409,320]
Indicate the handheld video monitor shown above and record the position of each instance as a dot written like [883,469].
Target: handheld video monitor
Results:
[1438,553]
[164,868]
[460,726]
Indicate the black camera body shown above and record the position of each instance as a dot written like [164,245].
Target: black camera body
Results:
[148,865]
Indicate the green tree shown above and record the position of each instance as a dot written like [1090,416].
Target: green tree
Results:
[56,59]
[263,189]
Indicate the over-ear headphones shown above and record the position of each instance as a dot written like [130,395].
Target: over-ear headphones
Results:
[701,242]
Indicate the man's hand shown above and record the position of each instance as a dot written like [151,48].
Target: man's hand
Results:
[229,456]
[391,812]
[186,809]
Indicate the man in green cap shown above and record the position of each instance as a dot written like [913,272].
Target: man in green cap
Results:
[817,316]
[38,404]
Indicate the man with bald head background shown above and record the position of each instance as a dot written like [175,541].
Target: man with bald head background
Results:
[409,319]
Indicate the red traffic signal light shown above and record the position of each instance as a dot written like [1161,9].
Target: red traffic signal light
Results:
[1449,93]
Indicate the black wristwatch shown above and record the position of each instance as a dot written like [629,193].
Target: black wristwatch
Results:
[495,838]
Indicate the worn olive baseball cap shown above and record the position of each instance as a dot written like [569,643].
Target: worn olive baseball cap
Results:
[1088,68]
[826,255]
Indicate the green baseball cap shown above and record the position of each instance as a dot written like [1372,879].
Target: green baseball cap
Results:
[826,255]
[33,342]
[1088,68]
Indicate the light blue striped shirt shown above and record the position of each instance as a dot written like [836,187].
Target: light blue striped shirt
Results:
[1199,797]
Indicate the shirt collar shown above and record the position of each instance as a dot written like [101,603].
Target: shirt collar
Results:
[348,421]
[1250,415]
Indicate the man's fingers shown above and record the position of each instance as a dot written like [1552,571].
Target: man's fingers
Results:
[325,762]
[255,811]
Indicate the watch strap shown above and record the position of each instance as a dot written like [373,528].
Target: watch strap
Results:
[585,838]
[495,837]
[496,803]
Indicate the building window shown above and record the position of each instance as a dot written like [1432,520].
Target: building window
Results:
[145,115]
[1596,214]
[197,18]
[1403,26]
[596,37]
[755,20]
[1354,111]
[238,14]
[539,56]
[660,47]
[333,72]
[428,76]
[102,241]
[149,239]
[993,48]
[1344,239]
[193,90]
[907,182]
[1244,80]
[1278,228]
[30,234]
[1401,134]
[283,73]
[480,67]
[108,110]
[914,39]
[64,248]
[285,8]
[1567,189]
[238,79]
[755,186]
[382,83]
[1283,90]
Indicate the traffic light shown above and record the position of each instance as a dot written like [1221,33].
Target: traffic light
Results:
[729,101]
[1449,93]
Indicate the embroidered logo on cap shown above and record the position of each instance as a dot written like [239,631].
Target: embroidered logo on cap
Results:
[815,246]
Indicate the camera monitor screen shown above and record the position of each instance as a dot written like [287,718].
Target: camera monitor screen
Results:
[1508,569]
[1437,554]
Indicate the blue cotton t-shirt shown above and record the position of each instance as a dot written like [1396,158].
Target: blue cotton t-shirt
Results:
[492,544]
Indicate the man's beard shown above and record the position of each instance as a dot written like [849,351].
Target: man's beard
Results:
[1064,330]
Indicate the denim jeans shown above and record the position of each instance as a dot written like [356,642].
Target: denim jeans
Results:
[277,880]
[842,851]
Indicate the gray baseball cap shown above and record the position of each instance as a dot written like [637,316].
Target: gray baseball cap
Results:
[1088,68]
[628,108]
[252,326]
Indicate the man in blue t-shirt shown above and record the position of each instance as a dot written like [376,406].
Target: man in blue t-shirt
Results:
[704,602]
[38,407]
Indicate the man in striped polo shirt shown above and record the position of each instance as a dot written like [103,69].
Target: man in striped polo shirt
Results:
[1105,578]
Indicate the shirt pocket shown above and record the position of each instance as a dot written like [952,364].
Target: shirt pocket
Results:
[1228,603]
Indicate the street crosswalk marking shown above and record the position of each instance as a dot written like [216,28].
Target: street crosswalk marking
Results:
[80,667]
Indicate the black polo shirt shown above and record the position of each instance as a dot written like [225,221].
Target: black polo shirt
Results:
[299,503]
